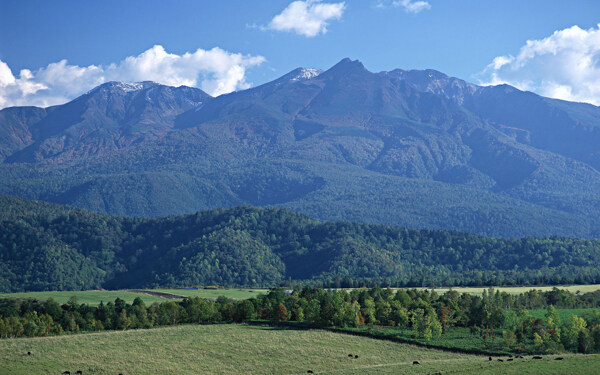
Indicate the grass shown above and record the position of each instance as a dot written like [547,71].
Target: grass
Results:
[572,364]
[457,338]
[521,289]
[214,293]
[93,297]
[233,349]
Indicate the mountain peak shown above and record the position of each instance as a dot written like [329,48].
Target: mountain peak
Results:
[299,74]
[305,73]
[348,65]
[124,86]
[506,88]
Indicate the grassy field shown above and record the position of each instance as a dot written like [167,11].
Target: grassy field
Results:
[521,289]
[456,338]
[233,349]
[214,293]
[93,297]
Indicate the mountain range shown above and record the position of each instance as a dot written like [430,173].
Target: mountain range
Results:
[411,148]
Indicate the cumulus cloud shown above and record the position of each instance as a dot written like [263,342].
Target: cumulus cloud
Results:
[564,65]
[215,71]
[308,18]
[410,6]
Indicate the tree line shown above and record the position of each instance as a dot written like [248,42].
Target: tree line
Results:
[425,314]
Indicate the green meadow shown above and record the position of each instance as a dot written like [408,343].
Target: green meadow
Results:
[234,349]
[236,294]
[94,297]
[521,289]
[90,297]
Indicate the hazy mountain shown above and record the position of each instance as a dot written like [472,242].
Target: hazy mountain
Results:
[409,148]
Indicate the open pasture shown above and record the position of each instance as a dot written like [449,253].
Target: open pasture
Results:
[94,297]
[233,349]
[520,289]
[214,293]
[90,297]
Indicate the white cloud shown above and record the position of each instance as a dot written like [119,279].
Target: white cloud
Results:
[215,71]
[564,65]
[410,6]
[6,76]
[413,6]
[308,18]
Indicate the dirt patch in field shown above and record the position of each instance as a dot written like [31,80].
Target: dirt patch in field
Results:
[157,294]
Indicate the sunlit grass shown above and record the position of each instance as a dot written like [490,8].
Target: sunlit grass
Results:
[214,293]
[521,289]
[90,297]
[94,297]
[235,349]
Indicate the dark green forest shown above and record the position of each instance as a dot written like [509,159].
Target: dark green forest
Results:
[45,246]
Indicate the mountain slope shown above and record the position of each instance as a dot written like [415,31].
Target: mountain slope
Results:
[15,134]
[408,148]
[111,116]
[565,128]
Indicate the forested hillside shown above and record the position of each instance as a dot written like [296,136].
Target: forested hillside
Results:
[51,247]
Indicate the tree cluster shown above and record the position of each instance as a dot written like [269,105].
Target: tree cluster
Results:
[427,315]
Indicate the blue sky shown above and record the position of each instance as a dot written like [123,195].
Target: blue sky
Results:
[237,44]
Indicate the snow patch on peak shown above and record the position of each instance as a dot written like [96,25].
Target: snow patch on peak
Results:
[305,74]
[127,87]
[124,86]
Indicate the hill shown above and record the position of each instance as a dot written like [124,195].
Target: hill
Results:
[51,247]
[405,148]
